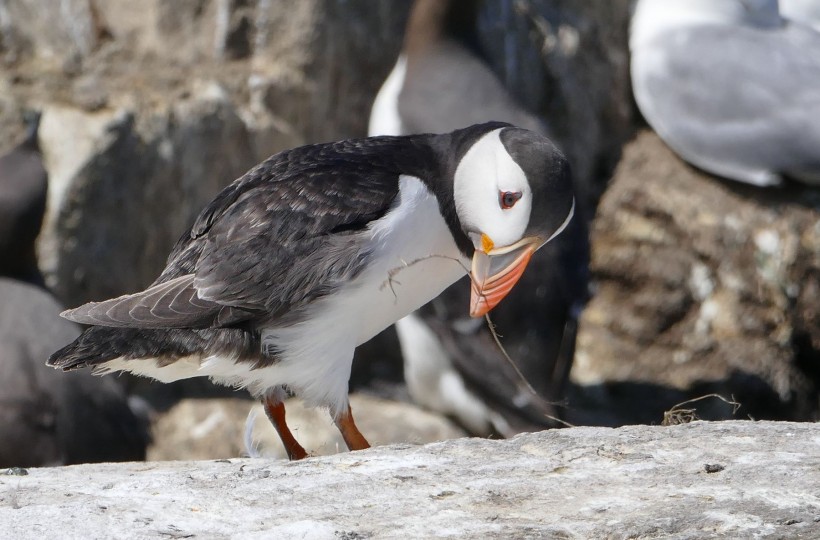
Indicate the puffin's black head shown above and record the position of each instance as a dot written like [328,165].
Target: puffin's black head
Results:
[513,193]
[549,178]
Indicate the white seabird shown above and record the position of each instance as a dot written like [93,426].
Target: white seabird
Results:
[730,86]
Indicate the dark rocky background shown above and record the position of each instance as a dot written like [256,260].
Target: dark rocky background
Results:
[150,107]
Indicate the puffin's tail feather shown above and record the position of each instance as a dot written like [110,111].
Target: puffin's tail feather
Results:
[95,346]
[100,344]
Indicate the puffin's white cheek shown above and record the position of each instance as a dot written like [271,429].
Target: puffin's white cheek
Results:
[508,226]
[486,170]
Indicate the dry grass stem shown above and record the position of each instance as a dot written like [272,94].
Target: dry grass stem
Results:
[527,386]
[680,415]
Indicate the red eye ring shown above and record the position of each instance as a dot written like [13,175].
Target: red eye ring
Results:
[507,199]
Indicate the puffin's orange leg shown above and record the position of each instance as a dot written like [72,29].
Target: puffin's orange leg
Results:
[276,413]
[351,434]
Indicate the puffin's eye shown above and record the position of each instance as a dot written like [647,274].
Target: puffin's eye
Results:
[507,199]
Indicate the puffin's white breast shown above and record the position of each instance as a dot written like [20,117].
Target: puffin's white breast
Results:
[414,259]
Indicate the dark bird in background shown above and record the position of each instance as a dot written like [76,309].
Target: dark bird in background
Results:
[451,363]
[318,249]
[46,418]
[441,77]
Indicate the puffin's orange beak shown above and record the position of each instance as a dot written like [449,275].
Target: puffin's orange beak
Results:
[496,270]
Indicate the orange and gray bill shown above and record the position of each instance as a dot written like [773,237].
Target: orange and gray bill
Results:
[494,275]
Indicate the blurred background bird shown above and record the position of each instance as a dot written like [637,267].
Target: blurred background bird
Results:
[747,108]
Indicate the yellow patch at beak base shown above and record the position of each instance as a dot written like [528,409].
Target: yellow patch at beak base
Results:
[486,243]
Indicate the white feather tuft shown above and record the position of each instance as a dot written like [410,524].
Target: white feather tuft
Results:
[251,446]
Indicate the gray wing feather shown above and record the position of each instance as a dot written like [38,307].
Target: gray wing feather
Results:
[172,304]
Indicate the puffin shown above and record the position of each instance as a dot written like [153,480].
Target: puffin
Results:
[319,248]
[730,86]
[48,419]
[451,363]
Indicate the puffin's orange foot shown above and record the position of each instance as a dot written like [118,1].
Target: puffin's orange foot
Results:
[351,434]
[276,413]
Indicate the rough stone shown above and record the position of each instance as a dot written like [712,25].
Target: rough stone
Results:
[47,418]
[703,286]
[700,480]
[62,32]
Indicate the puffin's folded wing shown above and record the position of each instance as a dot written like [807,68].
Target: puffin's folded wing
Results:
[172,304]
[289,231]
[282,244]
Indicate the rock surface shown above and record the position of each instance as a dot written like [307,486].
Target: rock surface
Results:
[703,286]
[47,418]
[700,480]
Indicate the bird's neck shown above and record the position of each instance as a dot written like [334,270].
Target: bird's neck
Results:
[433,21]
[440,183]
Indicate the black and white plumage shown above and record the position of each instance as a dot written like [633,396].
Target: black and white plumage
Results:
[319,248]
[730,86]
[439,77]
[451,363]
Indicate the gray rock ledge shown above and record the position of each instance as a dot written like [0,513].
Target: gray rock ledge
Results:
[630,482]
